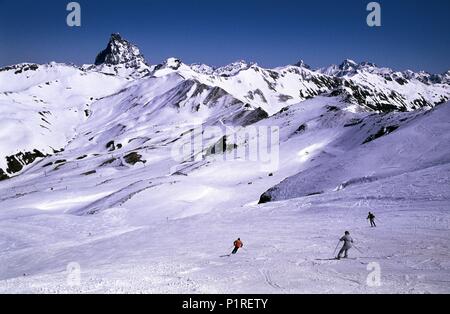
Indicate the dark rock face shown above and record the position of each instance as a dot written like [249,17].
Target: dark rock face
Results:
[220,147]
[246,118]
[265,198]
[133,158]
[301,129]
[20,68]
[347,67]
[3,175]
[353,82]
[215,94]
[120,51]
[18,161]
[302,64]
[383,131]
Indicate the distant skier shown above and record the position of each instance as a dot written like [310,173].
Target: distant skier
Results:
[371,218]
[237,245]
[347,239]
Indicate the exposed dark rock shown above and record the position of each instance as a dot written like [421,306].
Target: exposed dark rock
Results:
[284,109]
[133,158]
[111,146]
[301,129]
[332,108]
[3,175]
[179,173]
[314,193]
[249,117]
[383,131]
[260,94]
[120,51]
[302,64]
[284,98]
[274,75]
[353,122]
[215,94]
[16,162]
[401,81]
[107,162]
[220,147]
[265,198]
[55,151]
[20,68]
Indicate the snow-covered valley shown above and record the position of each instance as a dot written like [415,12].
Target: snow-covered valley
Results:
[93,173]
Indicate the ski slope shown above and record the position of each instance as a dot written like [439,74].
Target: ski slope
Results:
[168,236]
[286,245]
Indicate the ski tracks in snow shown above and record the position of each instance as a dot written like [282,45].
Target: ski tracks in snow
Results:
[268,279]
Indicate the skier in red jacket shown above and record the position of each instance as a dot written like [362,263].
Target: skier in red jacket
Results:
[237,245]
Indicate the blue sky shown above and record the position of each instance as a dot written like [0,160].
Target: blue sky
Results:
[414,33]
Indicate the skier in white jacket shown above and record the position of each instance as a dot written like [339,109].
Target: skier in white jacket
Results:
[347,239]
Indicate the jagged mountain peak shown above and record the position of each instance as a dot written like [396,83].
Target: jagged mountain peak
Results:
[120,51]
[347,67]
[173,63]
[202,68]
[169,65]
[350,68]
[428,78]
[368,64]
[233,68]
[302,64]
[348,64]
[240,62]
[116,36]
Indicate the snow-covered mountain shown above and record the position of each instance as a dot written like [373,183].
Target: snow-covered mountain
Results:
[356,149]
[120,57]
[61,95]
[120,51]
[46,106]
[91,169]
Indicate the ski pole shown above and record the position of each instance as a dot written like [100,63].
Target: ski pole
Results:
[357,249]
[334,252]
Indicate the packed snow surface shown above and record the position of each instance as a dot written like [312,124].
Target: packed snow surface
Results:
[168,234]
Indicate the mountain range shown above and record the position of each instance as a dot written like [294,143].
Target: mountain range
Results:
[55,99]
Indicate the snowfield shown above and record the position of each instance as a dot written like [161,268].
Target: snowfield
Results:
[99,195]
[286,246]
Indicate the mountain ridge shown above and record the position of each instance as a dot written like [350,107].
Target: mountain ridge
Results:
[242,90]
